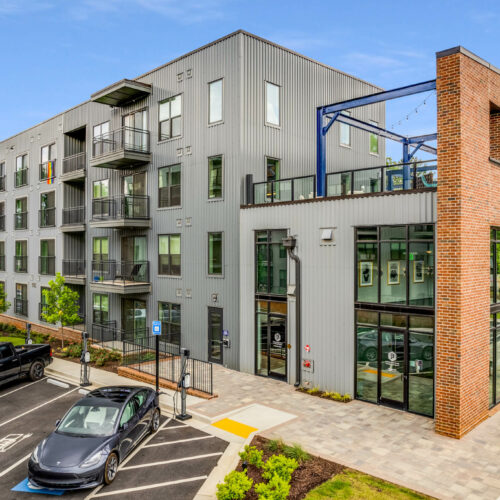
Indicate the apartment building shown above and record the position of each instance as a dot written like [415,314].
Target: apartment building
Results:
[134,196]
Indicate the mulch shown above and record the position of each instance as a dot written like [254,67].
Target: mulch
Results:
[306,477]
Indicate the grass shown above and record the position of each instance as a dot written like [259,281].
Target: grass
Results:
[353,485]
[14,340]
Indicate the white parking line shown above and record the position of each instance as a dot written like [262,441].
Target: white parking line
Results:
[178,441]
[22,387]
[173,461]
[58,383]
[150,486]
[174,427]
[37,407]
[13,466]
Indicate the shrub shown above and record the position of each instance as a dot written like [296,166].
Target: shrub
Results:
[235,486]
[252,456]
[297,453]
[74,350]
[314,390]
[276,489]
[275,445]
[281,466]
[347,397]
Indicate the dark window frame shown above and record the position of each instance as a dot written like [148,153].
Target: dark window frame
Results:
[495,251]
[211,189]
[170,186]
[168,326]
[99,311]
[221,273]
[169,100]
[169,255]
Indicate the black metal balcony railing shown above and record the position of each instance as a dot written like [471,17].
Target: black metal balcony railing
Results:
[47,217]
[21,263]
[108,332]
[121,207]
[122,139]
[298,188]
[419,175]
[2,182]
[48,170]
[73,268]
[21,306]
[21,220]
[2,262]
[42,308]
[2,222]
[74,163]
[73,215]
[47,265]
[112,270]
[21,177]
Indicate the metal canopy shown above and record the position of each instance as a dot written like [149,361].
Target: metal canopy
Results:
[121,93]
[332,112]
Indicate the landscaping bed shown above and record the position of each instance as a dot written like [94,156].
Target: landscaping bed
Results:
[333,396]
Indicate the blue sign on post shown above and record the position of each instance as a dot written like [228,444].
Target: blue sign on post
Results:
[156,327]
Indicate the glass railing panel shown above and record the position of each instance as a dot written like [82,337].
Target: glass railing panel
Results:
[339,184]
[367,181]
[303,188]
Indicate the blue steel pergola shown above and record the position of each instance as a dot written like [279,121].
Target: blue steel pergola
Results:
[333,113]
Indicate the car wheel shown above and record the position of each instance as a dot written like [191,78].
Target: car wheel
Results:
[155,420]
[37,370]
[371,354]
[110,468]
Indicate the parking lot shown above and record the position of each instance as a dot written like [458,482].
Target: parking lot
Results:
[173,463]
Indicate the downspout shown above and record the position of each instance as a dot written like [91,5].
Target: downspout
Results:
[289,243]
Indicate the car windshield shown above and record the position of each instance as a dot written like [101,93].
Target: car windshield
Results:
[89,420]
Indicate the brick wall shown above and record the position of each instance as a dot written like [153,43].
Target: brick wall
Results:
[468,203]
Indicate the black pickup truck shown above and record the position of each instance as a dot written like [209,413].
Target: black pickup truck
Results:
[28,359]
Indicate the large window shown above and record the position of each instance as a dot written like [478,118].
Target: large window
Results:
[215,177]
[100,308]
[395,265]
[169,186]
[215,254]
[272,104]
[272,169]
[215,90]
[21,214]
[100,250]
[169,254]
[2,255]
[101,130]
[21,178]
[101,188]
[495,266]
[21,257]
[345,131]
[170,316]
[47,214]
[494,359]
[170,118]
[47,165]
[21,299]
[373,140]
[271,263]
[47,263]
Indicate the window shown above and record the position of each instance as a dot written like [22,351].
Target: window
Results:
[2,255]
[136,136]
[21,299]
[272,104]
[345,131]
[495,266]
[21,178]
[100,249]
[21,257]
[169,186]
[102,139]
[215,183]
[47,209]
[215,91]
[2,176]
[215,254]
[170,118]
[101,189]
[374,140]
[47,165]
[100,308]
[43,302]
[494,359]
[21,215]
[47,263]
[170,316]
[272,169]
[169,254]
[392,260]
[2,216]
[101,129]
[271,264]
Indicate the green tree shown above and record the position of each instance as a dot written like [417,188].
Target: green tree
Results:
[61,305]
[4,303]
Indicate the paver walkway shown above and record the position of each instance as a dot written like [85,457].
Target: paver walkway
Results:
[396,446]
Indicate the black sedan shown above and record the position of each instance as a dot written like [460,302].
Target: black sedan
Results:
[94,436]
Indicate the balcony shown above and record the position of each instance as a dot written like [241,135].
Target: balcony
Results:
[298,188]
[21,307]
[2,222]
[109,335]
[121,93]
[73,219]
[21,264]
[47,217]
[47,265]
[74,167]
[21,178]
[121,211]
[48,171]
[123,277]
[2,182]
[21,220]
[74,271]
[123,148]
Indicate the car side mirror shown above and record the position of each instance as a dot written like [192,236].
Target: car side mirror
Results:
[58,421]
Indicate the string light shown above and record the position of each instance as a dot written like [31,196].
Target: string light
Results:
[415,110]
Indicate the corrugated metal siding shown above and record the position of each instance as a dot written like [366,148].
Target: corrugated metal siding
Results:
[327,276]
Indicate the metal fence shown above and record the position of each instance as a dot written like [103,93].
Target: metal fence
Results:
[74,163]
[122,139]
[120,207]
[73,215]
[125,270]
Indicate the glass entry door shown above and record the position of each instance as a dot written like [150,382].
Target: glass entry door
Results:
[277,347]
[393,374]
[134,321]
[215,352]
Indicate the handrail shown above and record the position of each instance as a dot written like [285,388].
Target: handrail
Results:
[122,139]
[112,270]
[123,206]
[74,162]
[288,189]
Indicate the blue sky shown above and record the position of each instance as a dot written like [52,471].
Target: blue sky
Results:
[55,53]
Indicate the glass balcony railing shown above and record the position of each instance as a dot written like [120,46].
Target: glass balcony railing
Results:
[297,188]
